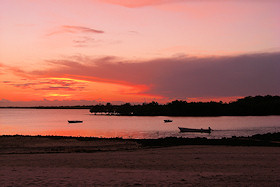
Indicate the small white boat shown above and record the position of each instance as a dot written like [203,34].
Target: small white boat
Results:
[182,129]
[75,121]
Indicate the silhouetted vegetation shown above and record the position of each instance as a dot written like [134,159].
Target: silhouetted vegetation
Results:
[52,107]
[255,140]
[269,139]
[248,106]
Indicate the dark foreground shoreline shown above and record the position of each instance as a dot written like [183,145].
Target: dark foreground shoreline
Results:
[18,144]
[89,161]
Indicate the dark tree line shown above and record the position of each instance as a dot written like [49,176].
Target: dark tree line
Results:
[248,106]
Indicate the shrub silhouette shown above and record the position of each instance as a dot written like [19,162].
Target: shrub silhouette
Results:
[253,106]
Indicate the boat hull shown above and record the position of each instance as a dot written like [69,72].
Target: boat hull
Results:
[75,121]
[182,129]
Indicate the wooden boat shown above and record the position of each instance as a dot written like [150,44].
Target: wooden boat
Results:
[167,121]
[74,121]
[182,129]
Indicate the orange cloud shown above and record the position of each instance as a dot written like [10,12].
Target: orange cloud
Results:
[48,84]
[193,77]
[54,85]
[113,79]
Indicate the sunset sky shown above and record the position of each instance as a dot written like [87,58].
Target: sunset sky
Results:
[74,52]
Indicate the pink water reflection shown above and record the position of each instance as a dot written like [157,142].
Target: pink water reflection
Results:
[55,122]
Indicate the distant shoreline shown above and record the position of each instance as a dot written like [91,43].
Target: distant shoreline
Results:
[48,107]
[247,106]
[19,144]
[106,114]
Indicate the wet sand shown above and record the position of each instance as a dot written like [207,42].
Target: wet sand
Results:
[125,163]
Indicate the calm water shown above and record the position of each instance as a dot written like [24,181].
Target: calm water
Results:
[54,122]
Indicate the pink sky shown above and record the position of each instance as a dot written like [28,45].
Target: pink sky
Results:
[69,51]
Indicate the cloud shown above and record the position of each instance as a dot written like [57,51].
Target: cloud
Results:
[66,88]
[45,102]
[48,84]
[171,78]
[140,3]
[6,69]
[23,85]
[84,41]
[182,77]
[70,28]
[75,29]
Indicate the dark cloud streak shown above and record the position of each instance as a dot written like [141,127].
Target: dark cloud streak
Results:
[68,85]
[61,88]
[75,29]
[81,29]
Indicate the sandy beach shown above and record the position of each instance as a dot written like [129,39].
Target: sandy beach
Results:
[126,163]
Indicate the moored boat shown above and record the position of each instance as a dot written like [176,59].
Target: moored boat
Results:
[182,129]
[75,121]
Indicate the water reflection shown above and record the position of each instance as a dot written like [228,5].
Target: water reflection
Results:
[55,122]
